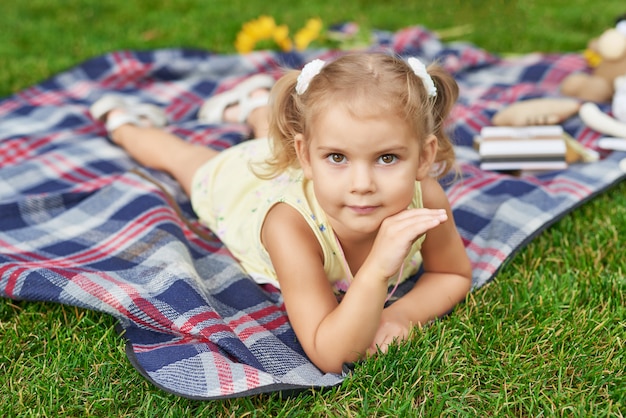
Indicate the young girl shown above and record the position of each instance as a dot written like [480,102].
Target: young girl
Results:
[342,196]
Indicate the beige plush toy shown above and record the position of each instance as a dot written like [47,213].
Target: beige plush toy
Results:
[542,111]
[589,112]
[606,56]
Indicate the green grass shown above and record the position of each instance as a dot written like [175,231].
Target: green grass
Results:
[547,337]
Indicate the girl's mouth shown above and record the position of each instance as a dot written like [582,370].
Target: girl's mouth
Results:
[363,210]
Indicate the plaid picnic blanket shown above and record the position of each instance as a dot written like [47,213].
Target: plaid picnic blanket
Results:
[81,225]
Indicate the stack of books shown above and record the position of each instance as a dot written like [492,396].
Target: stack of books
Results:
[528,148]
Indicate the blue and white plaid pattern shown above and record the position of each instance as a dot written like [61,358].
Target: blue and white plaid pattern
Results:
[80,226]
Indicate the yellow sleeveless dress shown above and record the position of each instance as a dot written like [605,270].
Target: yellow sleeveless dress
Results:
[232,201]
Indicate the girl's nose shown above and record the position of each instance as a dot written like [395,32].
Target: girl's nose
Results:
[362,179]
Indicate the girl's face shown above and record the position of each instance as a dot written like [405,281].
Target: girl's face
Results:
[363,169]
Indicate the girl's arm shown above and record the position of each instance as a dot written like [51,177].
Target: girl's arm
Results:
[331,333]
[446,280]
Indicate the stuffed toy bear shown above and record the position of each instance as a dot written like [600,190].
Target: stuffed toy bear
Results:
[606,56]
[589,112]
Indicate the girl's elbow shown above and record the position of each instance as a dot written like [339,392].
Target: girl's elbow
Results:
[467,284]
[335,365]
[466,273]
[467,280]
[332,368]
[463,282]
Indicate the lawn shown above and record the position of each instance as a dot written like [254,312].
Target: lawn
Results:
[546,337]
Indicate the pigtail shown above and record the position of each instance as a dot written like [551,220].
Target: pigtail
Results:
[285,123]
[447,95]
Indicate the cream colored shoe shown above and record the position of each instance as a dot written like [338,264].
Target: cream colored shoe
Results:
[212,111]
[132,112]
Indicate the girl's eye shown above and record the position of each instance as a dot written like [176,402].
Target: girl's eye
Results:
[336,158]
[387,159]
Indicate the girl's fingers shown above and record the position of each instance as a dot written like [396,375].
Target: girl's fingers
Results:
[413,222]
[416,217]
[420,212]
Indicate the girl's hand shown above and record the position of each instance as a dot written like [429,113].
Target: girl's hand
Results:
[392,328]
[397,234]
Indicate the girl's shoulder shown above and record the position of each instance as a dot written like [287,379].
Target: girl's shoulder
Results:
[433,195]
[289,239]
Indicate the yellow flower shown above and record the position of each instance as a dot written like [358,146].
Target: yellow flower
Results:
[281,37]
[593,58]
[259,28]
[308,33]
[264,28]
[254,31]
[244,43]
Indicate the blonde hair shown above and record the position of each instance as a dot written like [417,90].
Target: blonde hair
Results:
[368,84]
